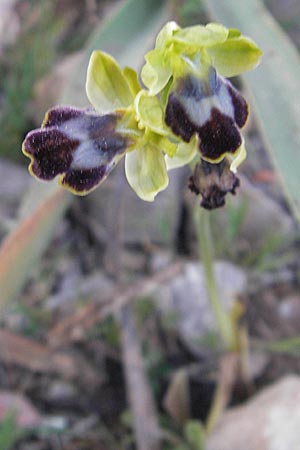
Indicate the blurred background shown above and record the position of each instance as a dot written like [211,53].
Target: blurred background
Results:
[107,338]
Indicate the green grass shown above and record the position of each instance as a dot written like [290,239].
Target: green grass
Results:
[9,433]
[23,64]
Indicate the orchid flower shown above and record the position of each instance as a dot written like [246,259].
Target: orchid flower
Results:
[187,67]
[188,111]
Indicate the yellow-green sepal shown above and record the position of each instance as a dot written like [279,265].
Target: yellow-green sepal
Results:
[106,86]
[146,171]
[200,36]
[157,71]
[236,55]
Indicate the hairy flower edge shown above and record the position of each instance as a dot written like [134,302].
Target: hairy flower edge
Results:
[77,145]
[212,109]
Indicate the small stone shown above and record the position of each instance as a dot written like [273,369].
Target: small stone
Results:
[56,423]
[269,421]
[75,287]
[159,260]
[257,363]
[26,414]
[186,298]
[289,311]
[60,392]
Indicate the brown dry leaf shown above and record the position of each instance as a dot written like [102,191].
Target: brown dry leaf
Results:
[176,400]
[36,357]
[228,373]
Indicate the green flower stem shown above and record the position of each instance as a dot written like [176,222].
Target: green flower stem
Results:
[223,320]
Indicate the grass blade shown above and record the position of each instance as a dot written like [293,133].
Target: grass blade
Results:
[21,250]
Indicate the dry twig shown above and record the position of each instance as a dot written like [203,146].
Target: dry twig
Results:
[75,327]
[140,397]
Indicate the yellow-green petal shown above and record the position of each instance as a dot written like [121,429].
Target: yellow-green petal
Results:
[106,86]
[200,36]
[146,171]
[233,33]
[166,34]
[149,112]
[156,72]
[132,79]
[234,56]
[166,146]
[185,153]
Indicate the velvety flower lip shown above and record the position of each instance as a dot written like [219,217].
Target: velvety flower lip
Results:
[213,182]
[78,145]
[210,107]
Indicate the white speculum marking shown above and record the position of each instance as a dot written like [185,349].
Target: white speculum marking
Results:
[199,111]
[87,157]
[74,129]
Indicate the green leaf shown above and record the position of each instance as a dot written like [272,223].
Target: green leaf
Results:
[9,432]
[106,86]
[195,434]
[288,346]
[273,87]
[235,56]
[146,171]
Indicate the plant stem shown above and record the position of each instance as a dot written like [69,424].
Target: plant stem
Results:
[227,376]
[205,243]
